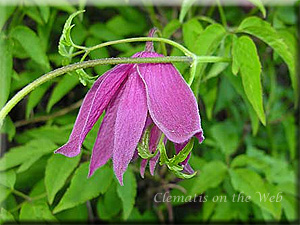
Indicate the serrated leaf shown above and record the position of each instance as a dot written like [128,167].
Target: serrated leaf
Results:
[66,84]
[19,155]
[58,169]
[83,189]
[264,31]
[31,44]
[127,193]
[186,5]
[5,69]
[250,69]
[8,178]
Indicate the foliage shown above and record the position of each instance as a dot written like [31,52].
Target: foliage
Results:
[247,107]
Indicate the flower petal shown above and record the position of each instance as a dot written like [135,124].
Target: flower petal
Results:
[104,144]
[130,122]
[143,165]
[95,101]
[152,163]
[172,105]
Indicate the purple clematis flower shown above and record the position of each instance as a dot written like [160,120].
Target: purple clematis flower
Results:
[135,96]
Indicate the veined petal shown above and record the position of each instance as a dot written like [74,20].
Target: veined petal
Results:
[95,101]
[104,144]
[130,121]
[171,103]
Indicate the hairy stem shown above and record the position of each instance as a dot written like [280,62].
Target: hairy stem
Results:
[92,63]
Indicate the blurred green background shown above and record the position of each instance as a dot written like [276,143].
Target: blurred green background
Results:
[239,154]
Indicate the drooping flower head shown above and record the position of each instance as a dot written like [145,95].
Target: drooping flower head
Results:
[134,97]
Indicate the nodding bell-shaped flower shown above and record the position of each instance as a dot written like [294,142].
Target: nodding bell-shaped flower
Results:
[133,97]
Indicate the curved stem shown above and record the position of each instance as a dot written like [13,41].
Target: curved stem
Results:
[127,40]
[86,64]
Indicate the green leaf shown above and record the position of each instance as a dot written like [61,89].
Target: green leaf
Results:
[97,54]
[183,154]
[19,155]
[212,174]
[222,132]
[245,160]
[127,193]
[66,84]
[31,44]
[250,69]
[206,44]
[78,213]
[4,193]
[264,31]
[9,128]
[124,27]
[5,12]
[37,210]
[58,169]
[289,205]
[8,178]
[35,97]
[109,206]
[101,32]
[83,189]
[5,69]
[290,130]
[208,92]
[65,39]
[6,216]
[186,5]
[191,31]
[251,184]
[58,135]
[259,5]
[170,28]
[235,67]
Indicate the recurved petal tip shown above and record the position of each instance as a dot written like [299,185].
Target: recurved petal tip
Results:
[70,149]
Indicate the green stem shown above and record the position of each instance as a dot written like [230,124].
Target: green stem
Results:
[222,14]
[20,194]
[164,40]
